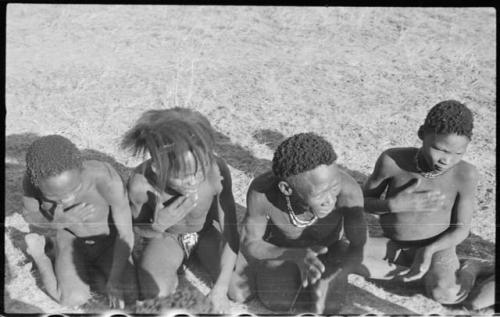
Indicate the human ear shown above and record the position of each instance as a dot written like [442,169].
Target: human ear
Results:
[285,188]
[421,132]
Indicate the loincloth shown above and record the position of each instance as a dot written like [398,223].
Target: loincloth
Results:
[403,253]
[95,246]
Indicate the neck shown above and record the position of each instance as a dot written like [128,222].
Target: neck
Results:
[421,162]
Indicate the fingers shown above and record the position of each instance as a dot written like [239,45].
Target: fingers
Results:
[322,250]
[304,277]
[413,187]
[314,275]
[87,211]
[115,302]
[413,277]
[179,201]
[315,263]
[186,202]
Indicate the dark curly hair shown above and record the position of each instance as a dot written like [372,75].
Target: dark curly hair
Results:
[166,135]
[448,117]
[49,156]
[301,153]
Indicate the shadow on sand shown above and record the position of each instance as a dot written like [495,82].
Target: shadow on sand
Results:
[236,156]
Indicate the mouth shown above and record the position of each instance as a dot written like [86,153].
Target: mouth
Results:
[323,212]
[186,190]
[439,168]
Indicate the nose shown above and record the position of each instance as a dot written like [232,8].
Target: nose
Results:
[329,200]
[445,160]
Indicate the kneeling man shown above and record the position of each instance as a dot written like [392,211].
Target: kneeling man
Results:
[292,233]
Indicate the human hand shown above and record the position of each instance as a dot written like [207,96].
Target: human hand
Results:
[420,266]
[74,216]
[411,200]
[115,295]
[219,303]
[35,244]
[168,216]
[311,268]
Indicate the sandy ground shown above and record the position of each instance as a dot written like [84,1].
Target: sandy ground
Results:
[363,78]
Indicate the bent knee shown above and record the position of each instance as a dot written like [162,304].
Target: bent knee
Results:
[75,297]
[276,303]
[153,288]
[239,294]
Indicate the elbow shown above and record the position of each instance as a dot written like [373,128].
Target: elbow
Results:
[249,249]
[126,238]
[461,232]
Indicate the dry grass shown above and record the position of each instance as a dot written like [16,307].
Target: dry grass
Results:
[362,77]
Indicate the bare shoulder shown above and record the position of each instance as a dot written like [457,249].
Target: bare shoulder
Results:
[466,172]
[395,159]
[261,183]
[100,171]
[351,193]
[138,186]
[223,168]
[258,192]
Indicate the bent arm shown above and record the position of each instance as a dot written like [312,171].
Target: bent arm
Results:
[32,211]
[254,226]
[376,185]
[115,193]
[355,228]
[227,218]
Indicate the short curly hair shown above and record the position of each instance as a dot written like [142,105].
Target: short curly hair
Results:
[51,155]
[448,117]
[301,153]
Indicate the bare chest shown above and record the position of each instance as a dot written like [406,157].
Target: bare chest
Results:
[281,231]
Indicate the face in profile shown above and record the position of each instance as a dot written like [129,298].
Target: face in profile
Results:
[443,151]
[188,180]
[319,188]
[63,188]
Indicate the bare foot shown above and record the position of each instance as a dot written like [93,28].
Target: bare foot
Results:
[483,295]
[35,244]
[477,267]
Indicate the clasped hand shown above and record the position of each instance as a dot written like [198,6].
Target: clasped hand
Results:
[310,266]
[75,216]
[167,216]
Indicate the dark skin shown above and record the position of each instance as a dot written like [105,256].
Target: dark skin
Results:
[303,256]
[419,208]
[77,204]
[188,202]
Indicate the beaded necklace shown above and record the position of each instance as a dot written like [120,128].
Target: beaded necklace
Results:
[431,174]
[295,220]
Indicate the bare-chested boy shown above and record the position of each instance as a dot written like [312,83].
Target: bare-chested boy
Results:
[182,202]
[427,210]
[86,203]
[297,214]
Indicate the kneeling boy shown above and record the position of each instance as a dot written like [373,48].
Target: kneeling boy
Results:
[428,205]
[86,203]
